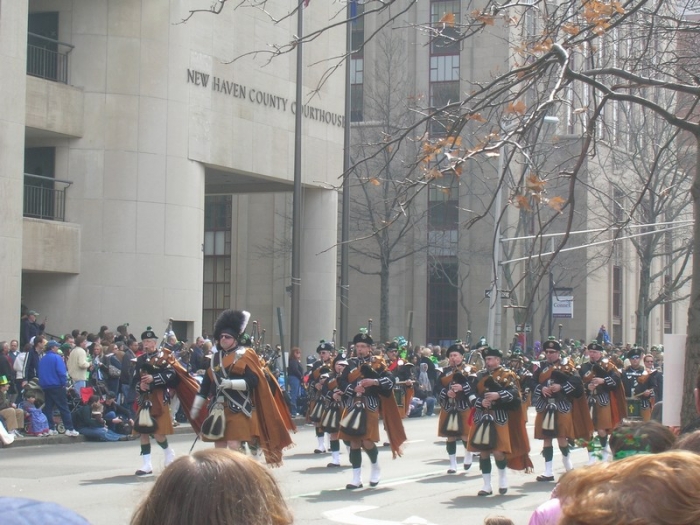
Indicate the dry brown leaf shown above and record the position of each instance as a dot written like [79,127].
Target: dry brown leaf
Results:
[522,202]
[535,184]
[374,181]
[448,19]
[556,203]
[518,107]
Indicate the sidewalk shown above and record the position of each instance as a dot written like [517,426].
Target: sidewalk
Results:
[62,439]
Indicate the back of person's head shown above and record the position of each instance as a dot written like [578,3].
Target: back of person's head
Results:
[640,437]
[217,487]
[647,489]
[689,442]
[498,520]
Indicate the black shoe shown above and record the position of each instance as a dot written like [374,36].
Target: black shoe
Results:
[545,478]
[333,465]
[503,491]
[387,444]
[373,483]
[484,493]
[144,472]
[350,486]
[467,466]
[319,451]
[451,471]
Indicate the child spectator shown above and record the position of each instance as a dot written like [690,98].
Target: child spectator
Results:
[38,424]
[14,417]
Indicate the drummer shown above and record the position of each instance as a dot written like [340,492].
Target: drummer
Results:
[639,386]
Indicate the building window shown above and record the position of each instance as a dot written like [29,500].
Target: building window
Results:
[217,258]
[617,292]
[442,301]
[668,306]
[357,63]
[356,89]
[443,203]
[444,63]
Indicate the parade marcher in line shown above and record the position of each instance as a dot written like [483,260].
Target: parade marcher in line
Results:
[242,407]
[153,375]
[517,363]
[333,408]
[319,373]
[499,428]
[562,411]
[606,395]
[457,382]
[639,386]
[401,371]
[367,386]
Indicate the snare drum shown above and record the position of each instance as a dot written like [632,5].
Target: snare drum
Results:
[634,408]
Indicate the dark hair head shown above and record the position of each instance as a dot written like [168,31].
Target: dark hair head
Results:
[640,437]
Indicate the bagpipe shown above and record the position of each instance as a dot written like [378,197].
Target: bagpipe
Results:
[321,373]
[645,382]
[501,379]
[461,374]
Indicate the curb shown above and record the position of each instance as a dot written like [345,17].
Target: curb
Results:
[62,439]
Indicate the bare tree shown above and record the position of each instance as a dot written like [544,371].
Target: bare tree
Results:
[583,61]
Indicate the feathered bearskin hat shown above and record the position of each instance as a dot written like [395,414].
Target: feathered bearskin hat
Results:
[324,345]
[232,322]
[457,346]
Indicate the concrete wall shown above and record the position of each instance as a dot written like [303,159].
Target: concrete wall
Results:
[13,64]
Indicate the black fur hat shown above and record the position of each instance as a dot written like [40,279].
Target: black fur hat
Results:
[232,322]
[324,346]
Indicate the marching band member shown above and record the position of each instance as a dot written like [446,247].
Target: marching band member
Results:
[457,383]
[153,375]
[242,406]
[499,428]
[333,408]
[367,388]
[561,407]
[606,395]
[639,385]
[320,370]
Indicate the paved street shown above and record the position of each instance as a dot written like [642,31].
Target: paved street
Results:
[96,480]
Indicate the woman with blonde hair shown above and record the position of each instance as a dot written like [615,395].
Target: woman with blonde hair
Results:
[646,489]
[215,486]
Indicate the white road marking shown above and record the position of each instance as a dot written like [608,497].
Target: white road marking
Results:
[347,515]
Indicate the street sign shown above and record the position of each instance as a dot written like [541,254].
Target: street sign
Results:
[527,328]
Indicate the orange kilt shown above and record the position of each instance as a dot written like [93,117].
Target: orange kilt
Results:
[502,439]
[564,422]
[164,421]
[464,416]
[239,427]
[602,417]
[372,428]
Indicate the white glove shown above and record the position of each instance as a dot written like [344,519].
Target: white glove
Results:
[196,406]
[234,384]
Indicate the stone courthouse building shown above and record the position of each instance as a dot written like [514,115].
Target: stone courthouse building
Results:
[118,122]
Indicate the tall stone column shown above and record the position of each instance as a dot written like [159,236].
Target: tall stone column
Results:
[318,267]
[13,64]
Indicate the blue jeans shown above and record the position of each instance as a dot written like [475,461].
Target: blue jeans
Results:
[77,385]
[430,405]
[56,398]
[294,386]
[99,434]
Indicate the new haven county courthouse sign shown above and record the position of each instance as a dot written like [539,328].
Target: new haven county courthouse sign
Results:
[261,98]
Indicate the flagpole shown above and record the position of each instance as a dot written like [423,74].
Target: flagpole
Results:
[297,196]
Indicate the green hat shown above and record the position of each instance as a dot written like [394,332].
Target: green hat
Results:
[4,381]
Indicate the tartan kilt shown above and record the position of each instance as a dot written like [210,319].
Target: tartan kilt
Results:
[564,422]
[372,432]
